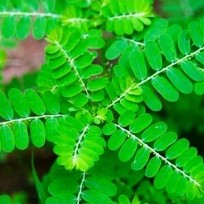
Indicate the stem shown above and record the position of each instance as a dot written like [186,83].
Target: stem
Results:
[81,188]
[30,118]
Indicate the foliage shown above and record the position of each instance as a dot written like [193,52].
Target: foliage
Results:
[110,70]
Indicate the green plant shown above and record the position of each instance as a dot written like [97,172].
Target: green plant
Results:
[110,70]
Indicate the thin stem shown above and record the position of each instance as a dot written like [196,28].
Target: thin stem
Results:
[158,155]
[30,118]
[78,143]
[135,15]
[81,188]
[19,13]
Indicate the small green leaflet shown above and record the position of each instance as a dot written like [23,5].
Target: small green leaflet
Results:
[153,167]
[162,177]
[165,88]
[6,139]
[128,149]
[154,131]
[153,55]
[6,110]
[177,148]
[19,103]
[196,33]
[21,135]
[141,159]
[138,65]
[140,123]
[37,132]
[184,42]
[168,47]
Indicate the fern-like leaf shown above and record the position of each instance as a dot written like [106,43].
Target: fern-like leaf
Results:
[18,19]
[27,113]
[148,143]
[123,18]
[78,144]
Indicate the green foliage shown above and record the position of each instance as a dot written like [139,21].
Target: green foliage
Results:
[109,70]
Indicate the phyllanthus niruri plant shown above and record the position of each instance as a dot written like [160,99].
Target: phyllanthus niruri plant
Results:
[109,70]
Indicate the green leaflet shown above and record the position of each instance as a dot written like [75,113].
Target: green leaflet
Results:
[37,132]
[179,80]
[199,88]
[115,50]
[126,118]
[23,27]
[192,71]
[196,33]
[51,102]
[151,99]
[186,156]
[154,131]
[35,102]
[51,126]
[167,47]
[184,42]
[8,26]
[19,102]
[200,57]
[157,28]
[164,87]
[92,197]
[164,141]
[174,178]
[153,55]
[177,148]
[190,165]
[141,159]
[21,137]
[6,110]
[109,128]
[162,177]
[140,123]
[116,140]
[101,185]
[153,167]
[97,84]
[39,27]
[6,139]
[137,64]
[127,150]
